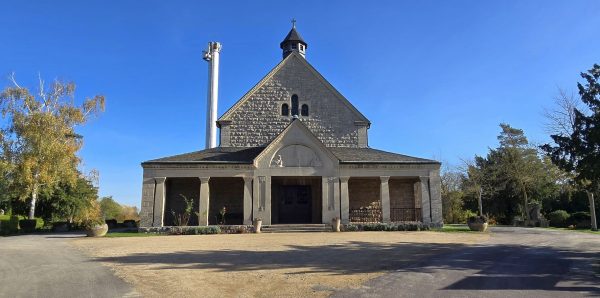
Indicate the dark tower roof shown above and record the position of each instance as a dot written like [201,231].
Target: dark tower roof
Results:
[293,36]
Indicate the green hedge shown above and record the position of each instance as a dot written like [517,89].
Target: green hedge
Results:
[9,225]
[558,218]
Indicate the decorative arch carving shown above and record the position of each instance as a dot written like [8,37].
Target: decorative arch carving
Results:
[296,156]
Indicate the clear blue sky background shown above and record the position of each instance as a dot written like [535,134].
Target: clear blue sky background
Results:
[435,77]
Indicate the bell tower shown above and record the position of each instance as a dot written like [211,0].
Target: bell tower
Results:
[293,42]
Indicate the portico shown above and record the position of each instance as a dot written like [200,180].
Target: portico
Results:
[292,150]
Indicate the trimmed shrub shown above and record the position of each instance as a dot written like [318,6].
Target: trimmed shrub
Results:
[412,226]
[9,226]
[350,228]
[60,226]
[28,225]
[374,227]
[558,218]
[581,220]
[130,223]
[112,223]
[209,230]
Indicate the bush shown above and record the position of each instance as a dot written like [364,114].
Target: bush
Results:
[374,227]
[112,223]
[477,219]
[558,218]
[130,223]
[9,226]
[412,226]
[28,225]
[209,230]
[581,220]
[350,228]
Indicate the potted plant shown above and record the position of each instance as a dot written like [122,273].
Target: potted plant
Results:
[95,227]
[92,220]
[257,222]
[478,223]
[335,224]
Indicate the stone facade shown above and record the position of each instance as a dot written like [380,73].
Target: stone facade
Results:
[269,165]
[256,120]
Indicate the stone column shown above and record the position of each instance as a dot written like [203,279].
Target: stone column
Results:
[262,199]
[159,201]
[435,189]
[330,199]
[384,193]
[248,200]
[425,202]
[147,211]
[344,200]
[204,201]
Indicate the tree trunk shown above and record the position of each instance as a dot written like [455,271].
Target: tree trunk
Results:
[592,211]
[526,203]
[34,195]
[479,202]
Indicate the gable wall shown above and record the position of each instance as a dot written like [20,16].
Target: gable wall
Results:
[258,120]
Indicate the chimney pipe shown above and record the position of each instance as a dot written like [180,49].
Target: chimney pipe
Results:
[211,55]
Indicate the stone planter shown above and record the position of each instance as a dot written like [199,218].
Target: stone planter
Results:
[257,225]
[477,226]
[97,231]
[335,224]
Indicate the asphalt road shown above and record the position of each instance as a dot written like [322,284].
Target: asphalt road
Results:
[47,266]
[515,262]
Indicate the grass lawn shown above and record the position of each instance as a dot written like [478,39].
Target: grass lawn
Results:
[454,228]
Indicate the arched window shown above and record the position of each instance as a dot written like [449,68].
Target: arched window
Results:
[294,105]
[285,110]
[304,110]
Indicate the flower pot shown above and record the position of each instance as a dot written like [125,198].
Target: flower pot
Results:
[478,226]
[257,225]
[97,230]
[335,224]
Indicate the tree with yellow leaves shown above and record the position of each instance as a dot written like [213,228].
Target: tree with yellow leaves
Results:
[38,137]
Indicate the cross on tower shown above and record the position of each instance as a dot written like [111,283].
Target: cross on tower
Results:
[293,23]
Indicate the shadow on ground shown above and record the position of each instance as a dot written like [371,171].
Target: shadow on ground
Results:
[497,266]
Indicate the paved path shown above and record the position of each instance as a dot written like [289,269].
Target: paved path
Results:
[515,262]
[47,266]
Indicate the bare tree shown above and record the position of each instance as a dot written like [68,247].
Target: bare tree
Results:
[560,120]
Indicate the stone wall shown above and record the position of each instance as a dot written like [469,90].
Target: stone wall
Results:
[363,192]
[258,120]
[402,193]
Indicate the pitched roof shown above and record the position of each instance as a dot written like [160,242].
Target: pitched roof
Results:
[246,155]
[293,35]
[235,155]
[370,155]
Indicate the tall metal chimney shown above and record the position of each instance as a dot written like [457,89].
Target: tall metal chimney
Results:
[211,55]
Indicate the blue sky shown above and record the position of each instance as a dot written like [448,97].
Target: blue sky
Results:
[434,77]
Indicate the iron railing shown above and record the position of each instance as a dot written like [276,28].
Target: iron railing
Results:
[405,214]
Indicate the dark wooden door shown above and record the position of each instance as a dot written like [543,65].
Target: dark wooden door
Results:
[295,204]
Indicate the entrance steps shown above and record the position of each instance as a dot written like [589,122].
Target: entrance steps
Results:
[296,228]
